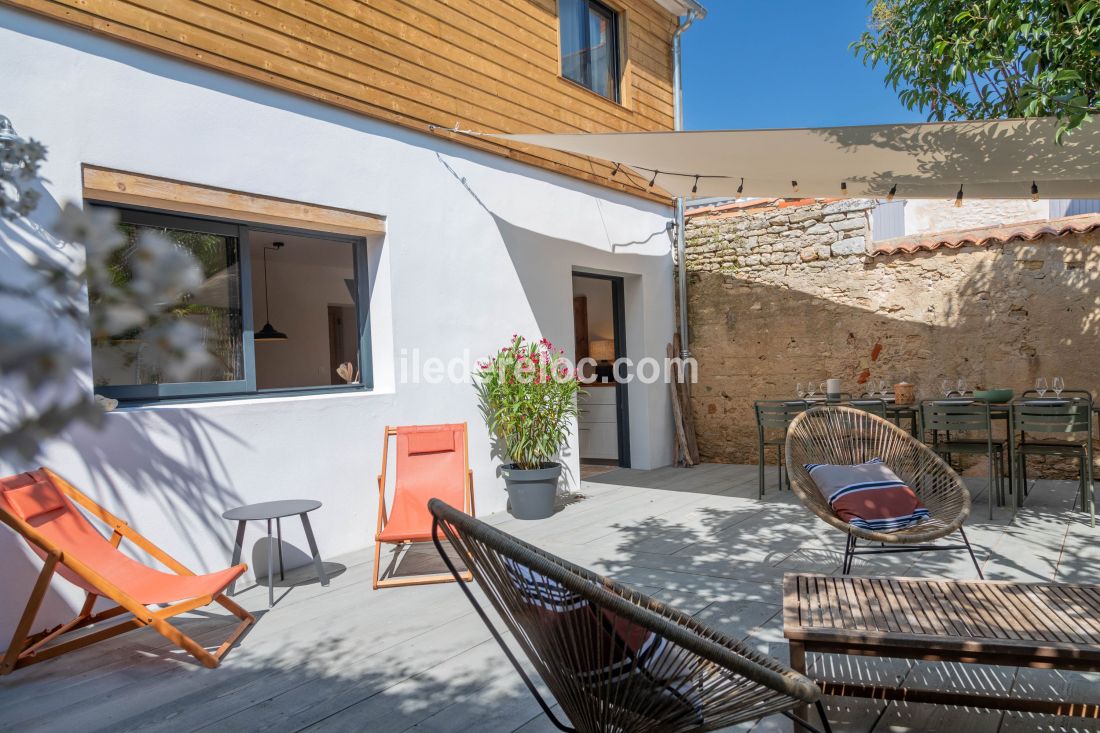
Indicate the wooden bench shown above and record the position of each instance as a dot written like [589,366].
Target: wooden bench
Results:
[1042,625]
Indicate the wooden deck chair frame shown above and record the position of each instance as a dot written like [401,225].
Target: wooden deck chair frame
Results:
[383,518]
[27,648]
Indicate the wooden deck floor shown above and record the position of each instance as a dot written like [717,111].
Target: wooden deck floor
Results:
[346,658]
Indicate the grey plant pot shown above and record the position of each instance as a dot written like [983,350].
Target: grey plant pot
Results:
[531,493]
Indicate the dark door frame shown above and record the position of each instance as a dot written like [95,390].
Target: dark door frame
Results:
[622,407]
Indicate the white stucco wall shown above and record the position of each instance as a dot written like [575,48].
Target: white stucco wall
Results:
[477,248]
[937,215]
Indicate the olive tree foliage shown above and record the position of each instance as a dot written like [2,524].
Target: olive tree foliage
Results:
[989,59]
[44,315]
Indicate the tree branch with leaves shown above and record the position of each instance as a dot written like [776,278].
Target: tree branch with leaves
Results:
[43,371]
[989,59]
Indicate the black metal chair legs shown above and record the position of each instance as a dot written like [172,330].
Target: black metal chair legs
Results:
[851,550]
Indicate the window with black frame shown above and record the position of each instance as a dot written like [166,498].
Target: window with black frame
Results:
[277,310]
[590,45]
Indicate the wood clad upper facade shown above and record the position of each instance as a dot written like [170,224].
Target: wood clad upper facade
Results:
[487,65]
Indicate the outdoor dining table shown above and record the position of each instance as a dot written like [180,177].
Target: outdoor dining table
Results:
[895,413]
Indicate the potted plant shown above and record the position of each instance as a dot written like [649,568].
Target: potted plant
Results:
[528,397]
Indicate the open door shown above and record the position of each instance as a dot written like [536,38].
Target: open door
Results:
[598,330]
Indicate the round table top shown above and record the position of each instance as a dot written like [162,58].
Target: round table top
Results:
[272,509]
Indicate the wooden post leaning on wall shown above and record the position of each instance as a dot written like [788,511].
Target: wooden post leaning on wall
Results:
[686,376]
[681,451]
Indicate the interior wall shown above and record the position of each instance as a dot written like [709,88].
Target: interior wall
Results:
[305,277]
[601,312]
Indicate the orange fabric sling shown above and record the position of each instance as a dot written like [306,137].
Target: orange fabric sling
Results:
[431,463]
[33,498]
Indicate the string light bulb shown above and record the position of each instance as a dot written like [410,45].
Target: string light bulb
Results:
[959,197]
[653,180]
[615,172]
[741,187]
[695,188]
[892,192]
[794,186]
[843,188]
[1034,191]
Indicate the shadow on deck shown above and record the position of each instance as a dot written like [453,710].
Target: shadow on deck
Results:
[349,658]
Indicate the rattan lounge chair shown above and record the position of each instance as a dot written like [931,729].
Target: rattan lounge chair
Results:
[842,435]
[431,460]
[42,508]
[615,659]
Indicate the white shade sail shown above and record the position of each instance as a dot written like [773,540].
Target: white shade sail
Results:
[993,160]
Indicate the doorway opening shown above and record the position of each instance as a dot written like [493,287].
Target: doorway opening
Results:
[599,328]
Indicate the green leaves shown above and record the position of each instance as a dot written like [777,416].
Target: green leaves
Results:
[989,59]
[528,398]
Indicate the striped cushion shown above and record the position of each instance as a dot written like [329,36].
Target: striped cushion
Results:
[613,658]
[868,495]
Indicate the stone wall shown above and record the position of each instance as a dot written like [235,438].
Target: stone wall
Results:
[787,294]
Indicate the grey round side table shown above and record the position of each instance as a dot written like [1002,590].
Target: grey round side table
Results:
[266,511]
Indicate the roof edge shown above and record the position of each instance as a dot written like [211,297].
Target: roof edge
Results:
[1027,231]
[682,7]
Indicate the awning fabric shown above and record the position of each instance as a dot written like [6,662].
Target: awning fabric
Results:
[996,160]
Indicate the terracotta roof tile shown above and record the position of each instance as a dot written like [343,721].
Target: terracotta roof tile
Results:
[736,207]
[730,207]
[1027,231]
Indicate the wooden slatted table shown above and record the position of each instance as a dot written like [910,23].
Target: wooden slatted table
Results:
[1042,625]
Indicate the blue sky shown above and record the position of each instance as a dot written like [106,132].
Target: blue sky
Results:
[757,63]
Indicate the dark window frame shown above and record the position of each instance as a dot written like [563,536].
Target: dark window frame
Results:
[135,394]
[616,56]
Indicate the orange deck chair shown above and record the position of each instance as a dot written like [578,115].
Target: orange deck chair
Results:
[433,461]
[39,505]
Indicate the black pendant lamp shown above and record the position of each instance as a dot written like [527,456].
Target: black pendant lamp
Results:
[268,332]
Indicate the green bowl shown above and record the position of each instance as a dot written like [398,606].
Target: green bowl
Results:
[994,395]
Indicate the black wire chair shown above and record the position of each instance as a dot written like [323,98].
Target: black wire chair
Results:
[846,436]
[615,659]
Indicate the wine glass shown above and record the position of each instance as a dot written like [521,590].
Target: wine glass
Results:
[962,386]
[882,388]
[946,388]
[1041,386]
[1058,385]
[800,390]
[822,388]
[810,389]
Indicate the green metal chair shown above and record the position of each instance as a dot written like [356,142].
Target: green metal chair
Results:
[773,417]
[1064,430]
[940,416]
